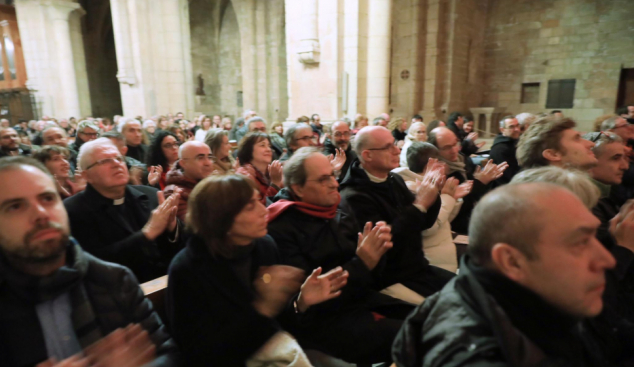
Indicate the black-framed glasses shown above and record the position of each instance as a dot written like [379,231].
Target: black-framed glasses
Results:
[597,137]
[90,135]
[175,144]
[306,138]
[325,179]
[118,159]
[339,134]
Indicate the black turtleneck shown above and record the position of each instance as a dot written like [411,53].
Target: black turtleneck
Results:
[557,333]
[137,152]
[240,261]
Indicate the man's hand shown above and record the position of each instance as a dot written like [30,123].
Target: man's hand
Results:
[154,176]
[338,160]
[74,361]
[472,136]
[274,286]
[490,172]
[463,190]
[373,243]
[136,175]
[275,173]
[129,347]
[163,217]
[320,288]
[433,181]
[622,226]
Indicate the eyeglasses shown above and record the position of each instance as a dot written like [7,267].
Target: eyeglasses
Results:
[340,134]
[175,144]
[90,135]
[325,179]
[597,137]
[201,157]
[110,161]
[306,138]
[387,147]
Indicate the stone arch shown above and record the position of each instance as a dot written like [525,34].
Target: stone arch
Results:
[229,61]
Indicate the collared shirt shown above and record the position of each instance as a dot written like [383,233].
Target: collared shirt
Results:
[57,327]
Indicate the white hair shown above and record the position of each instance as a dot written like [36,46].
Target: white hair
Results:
[525,117]
[125,121]
[86,150]
[147,123]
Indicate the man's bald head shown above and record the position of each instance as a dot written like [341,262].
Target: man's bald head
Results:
[185,149]
[367,137]
[195,160]
[447,143]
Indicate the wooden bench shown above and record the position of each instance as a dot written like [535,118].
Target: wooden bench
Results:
[155,290]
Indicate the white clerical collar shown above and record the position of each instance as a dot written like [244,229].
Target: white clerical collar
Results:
[119,201]
[374,178]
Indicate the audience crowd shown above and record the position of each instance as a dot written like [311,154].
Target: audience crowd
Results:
[317,243]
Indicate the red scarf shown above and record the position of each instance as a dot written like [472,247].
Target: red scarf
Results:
[280,207]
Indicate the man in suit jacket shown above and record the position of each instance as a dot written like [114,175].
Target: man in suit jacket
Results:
[125,224]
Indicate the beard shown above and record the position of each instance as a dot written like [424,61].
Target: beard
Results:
[38,251]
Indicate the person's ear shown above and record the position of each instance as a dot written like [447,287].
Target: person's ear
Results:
[552,155]
[366,156]
[509,261]
[298,191]
[124,150]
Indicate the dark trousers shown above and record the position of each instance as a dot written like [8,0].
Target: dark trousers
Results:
[429,281]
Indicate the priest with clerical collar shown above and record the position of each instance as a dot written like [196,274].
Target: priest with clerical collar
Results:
[125,224]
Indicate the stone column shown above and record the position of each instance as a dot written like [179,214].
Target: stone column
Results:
[309,44]
[379,49]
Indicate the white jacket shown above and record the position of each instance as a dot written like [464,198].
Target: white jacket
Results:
[438,243]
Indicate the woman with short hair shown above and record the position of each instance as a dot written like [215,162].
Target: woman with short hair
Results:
[226,289]
[255,155]
[55,158]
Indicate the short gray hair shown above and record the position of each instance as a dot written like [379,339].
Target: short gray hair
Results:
[601,139]
[125,121]
[377,120]
[255,119]
[503,121]
[360,143]
[610,123]
[525,117]
[578,182]
[289,134]
[294,169]
[86,150]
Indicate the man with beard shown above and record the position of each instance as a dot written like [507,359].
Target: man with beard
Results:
[55,299]
[340,139]
[10,143]
[132,225]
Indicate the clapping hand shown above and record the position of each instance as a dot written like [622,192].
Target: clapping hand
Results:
[163,217]
[319,288]
[274,286]
[79,181]
[154,176]
[373,243]
[338,160]
[275,173]
[490,172]
[463,189]
[622,226]
[129,347]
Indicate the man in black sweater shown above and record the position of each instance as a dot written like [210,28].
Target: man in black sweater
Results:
[133,133]
[504,147]
[340,139]
[374,194]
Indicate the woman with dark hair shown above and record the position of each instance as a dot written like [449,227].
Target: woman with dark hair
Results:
[218,142]
[255,155]
[225,288]
[177,131]
[161,155]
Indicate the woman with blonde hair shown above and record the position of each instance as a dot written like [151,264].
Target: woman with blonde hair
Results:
[416,132]
[218,141]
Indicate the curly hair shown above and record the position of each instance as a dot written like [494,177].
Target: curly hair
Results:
[155,156]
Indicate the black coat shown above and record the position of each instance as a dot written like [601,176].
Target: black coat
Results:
[503,150]
[103,232]
[460,224]
[468,146]
[344,326]
[23,149]
[116,299]
[210,309]
[392,202]
[139,152]
[330,148]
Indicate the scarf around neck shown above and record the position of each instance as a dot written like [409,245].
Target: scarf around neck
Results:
[281,206]
[458,166]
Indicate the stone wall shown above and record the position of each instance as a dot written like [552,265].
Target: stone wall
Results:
[531,41]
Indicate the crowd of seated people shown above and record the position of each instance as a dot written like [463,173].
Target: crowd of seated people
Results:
[317,238]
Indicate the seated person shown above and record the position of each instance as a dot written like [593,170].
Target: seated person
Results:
[80,303]
[504,147]
[416,132]
[525,290]
[297,136]
[161,155]
[55,158]
[10,143]
[226,288]
[133,132]
[554,141]
[461,167]
[218,142]
[340,141]
[125,224]
[438,244]
[311,230]
[194,164]
[375,194]
[55,135]
[255,155]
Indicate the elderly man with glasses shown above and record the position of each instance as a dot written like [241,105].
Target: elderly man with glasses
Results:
[340,142]
[130,225]
[297,136]
[375,194]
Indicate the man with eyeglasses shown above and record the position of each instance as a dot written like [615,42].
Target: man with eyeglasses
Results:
[504,147]
[297,136]
[620,126]
[86,131]
[340,139]
[462,168]
[374,194]
[130,225]
[195,162]
[311,229]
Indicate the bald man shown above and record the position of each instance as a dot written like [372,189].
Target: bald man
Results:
[194,163]
[340,139]
[374,194]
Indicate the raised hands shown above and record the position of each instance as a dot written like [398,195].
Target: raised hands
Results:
[472,136]
[136,175]
[433,181]
[163,217]
[463,189]
[373,243]
[622,226]
[490,172]
[275,173]
[319,288]
[154,175]
[338,160]
[274,286]
[74,361]
[79,181]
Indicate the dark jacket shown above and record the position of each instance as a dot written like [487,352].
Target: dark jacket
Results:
[460,224]
[330,148]
[210,309]
[468,146]
[399,135]
[392,202]
[104,233]
[139,152]
[116,299]
[343,327]
[503,150]
[464,325]
[23,150]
